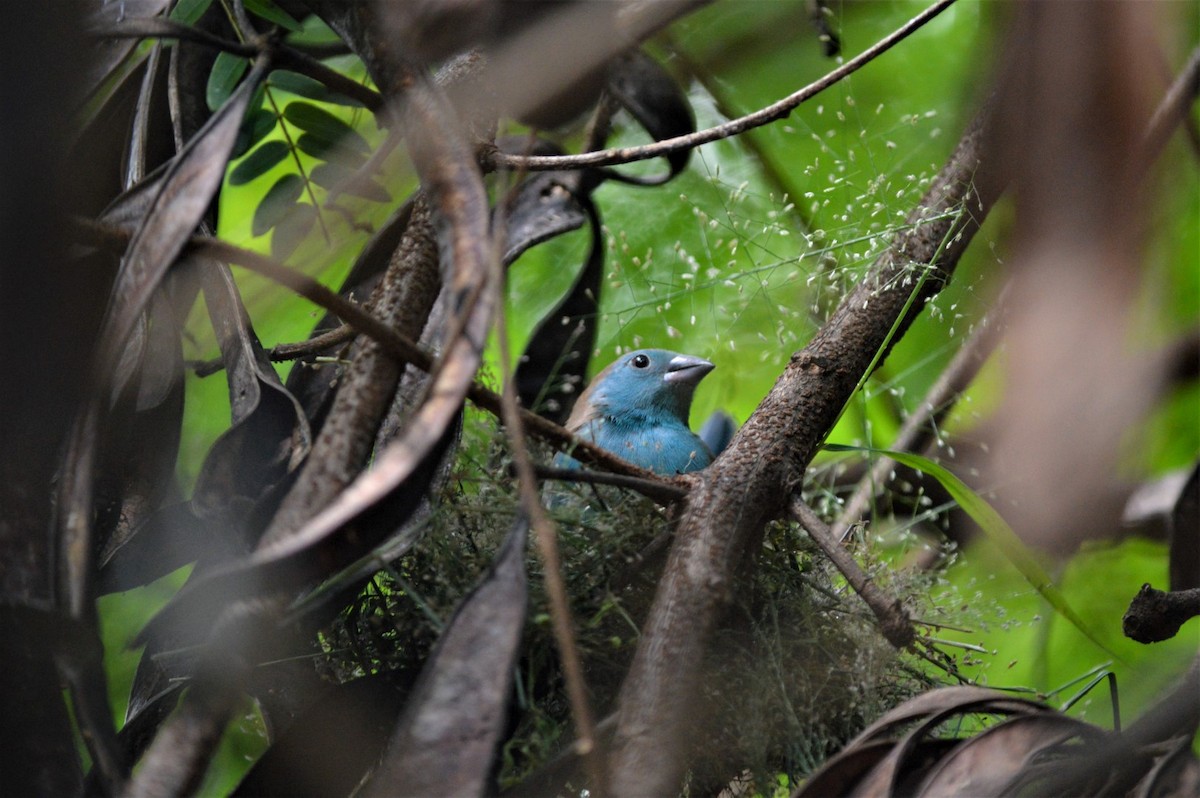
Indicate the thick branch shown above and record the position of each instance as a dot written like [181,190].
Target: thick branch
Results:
[402,302]
[747,486]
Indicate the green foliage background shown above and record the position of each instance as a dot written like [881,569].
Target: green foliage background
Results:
[742,256]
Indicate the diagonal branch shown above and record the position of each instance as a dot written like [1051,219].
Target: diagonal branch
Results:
[1173,109]
[893,619]
[747,485]
[399,346]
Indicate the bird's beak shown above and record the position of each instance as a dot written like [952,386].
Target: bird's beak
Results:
[687,370]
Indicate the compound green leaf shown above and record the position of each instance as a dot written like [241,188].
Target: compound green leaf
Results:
[325,126]
[259,162]
[279,200]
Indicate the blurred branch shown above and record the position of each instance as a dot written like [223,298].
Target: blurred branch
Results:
[1174,107]
[1074,110]
[1183,358]
[763,116]
[161,28]
[546,539]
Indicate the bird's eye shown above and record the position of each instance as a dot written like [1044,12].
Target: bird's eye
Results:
[640,361]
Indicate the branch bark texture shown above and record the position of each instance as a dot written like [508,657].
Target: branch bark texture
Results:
[402,301]
[752,481]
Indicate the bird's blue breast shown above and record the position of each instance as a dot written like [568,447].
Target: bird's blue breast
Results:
[665,446]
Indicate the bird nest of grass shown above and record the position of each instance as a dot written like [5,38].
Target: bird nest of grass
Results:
[797,668]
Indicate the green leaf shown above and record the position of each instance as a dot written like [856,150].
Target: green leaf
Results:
[273,13]
[259,162]
[995,527]
[311,145]
[280,199]
[255,127]
[188,12]
[300,85]
[325,126]
[315,32]
[348,181]
[226,72]
[321,150]
[291,230]
[304,86]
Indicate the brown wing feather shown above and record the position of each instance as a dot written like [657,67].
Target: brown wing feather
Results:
[584,411]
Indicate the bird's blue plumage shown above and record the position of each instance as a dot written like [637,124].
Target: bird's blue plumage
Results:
[637,408]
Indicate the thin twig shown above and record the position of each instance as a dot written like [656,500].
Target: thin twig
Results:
[282,352]
[291,58]
[364,323]
[1174,107]
[763,116]
[283,55]
[162,28]
[546,538]
[893,618]
[657,489]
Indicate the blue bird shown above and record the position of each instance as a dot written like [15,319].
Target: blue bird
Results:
[637,408]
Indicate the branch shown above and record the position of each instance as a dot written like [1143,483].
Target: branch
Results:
[763,116]
[393,342]
[894,621]
[660,490]
[161,28]
[293,59]
[546,539]
[1156,615]
[1173,109]
[748,484]
[281,54]
[283,352]
[401,301]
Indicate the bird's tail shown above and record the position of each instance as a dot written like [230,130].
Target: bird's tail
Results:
[717,431]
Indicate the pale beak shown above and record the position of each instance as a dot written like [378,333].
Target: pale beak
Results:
[687,370]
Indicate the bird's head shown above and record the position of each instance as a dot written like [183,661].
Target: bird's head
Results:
[645,382]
